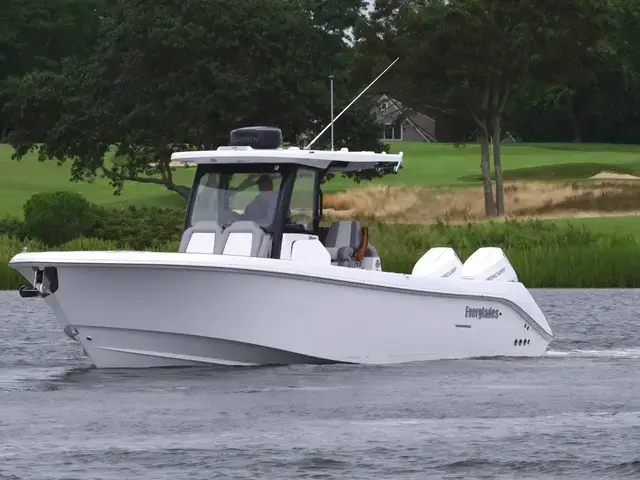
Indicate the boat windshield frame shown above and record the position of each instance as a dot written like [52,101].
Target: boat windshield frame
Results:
[289,166]
[281,221]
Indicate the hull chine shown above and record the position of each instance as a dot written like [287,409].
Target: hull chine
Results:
[128,348]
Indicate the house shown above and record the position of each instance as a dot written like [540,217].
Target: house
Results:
[402,125]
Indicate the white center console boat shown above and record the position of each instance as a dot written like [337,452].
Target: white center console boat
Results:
[258,280]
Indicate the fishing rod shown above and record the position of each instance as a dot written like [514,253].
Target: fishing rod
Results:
[352,102]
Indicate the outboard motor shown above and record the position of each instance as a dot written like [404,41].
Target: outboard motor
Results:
[438,262]
[489,264]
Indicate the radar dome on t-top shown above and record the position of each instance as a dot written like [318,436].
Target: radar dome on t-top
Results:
[256,137]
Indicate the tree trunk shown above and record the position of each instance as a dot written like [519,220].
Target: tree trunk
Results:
[485,166]
[498,103]
[480,118]
[167,177]
[577,128]
[496,133]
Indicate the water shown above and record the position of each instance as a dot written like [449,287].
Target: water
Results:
[573,414]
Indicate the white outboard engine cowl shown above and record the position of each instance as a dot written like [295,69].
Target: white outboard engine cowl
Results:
[438,262]
[489,264]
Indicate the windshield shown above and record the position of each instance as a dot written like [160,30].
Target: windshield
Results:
[228,197]
[302,199]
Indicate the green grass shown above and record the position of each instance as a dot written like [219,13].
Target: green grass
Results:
[428,164]
[544,254]
[12,280]
[618,225]
[20,180]
[440,164]
[560,171]
[614,225]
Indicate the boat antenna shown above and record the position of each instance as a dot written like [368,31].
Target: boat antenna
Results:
[331,100]
[352,102]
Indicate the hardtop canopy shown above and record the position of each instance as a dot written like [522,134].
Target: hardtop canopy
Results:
[339,161]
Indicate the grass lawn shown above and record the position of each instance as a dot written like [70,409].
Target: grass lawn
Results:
[424,164]
[446,165]
[20,180]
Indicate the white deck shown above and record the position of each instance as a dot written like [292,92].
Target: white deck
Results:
[353,161]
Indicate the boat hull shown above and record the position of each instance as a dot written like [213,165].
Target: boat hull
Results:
[132,310]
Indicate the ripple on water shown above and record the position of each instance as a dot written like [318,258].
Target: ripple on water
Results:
[572,414]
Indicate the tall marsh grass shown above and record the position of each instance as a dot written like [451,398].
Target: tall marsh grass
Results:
[543,254]
[416,204]
[9,246]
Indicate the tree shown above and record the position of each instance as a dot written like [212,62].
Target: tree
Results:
[574,74]
[38,34]
[590,94]
[464,57]
[180,76]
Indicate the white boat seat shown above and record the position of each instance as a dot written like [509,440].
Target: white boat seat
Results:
[342,241]
[244,238]
[200,237]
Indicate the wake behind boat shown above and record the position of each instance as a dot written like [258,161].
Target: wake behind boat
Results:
[259,279]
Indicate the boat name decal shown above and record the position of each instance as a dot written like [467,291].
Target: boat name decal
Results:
[497,274]
[481,312]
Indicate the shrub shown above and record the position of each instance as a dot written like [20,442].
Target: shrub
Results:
[58,217]
[12,227]
[139,228]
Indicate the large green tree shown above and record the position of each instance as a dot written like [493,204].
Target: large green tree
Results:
[464,57]
[179,75]
[586,94]
[35,35]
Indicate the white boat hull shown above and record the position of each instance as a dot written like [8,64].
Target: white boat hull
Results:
[147,309]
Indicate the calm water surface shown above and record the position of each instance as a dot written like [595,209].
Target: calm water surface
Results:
[573,414]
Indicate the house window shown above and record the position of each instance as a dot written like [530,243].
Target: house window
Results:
[392,131]
[384,105]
